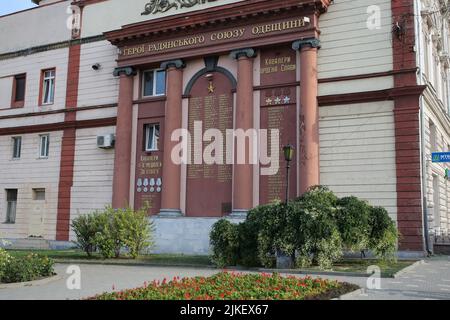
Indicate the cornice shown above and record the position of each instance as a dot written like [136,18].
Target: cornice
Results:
[220,15]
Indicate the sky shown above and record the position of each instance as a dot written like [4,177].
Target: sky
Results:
[10,6]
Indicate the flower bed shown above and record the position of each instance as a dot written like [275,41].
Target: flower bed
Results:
[23,269]
[235,286]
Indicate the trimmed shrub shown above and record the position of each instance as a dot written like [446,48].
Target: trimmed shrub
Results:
[224,239]
[352,218]
[112,230]
[29,268]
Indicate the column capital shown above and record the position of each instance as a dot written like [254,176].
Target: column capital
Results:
[247,52]
[178,64]
[127,71]
[311,42]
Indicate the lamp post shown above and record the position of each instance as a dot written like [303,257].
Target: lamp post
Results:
[288,151]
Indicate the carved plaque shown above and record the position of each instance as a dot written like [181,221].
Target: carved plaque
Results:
[279,112]
[209,184]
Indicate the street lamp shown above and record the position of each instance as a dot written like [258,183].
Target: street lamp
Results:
[288,151]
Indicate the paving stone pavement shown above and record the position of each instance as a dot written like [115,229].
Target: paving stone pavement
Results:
[430,280]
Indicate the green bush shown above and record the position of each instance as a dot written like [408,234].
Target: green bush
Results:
[248,244]
[316,234]
[107,238]
[5,258]
[85,228]
[383,234]
[28,268]
[352,219]
[314,229]
[224,240]
[112,230]
[135,230]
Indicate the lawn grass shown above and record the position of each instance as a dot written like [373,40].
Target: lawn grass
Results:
[388,269]
[154,259]
[235,286]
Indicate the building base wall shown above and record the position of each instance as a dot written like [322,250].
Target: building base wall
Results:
[181,235]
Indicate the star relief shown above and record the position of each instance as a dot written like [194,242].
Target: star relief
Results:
[269,101]
[277,100]
[286,100]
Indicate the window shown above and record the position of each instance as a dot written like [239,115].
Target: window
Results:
[11,204]
[17,147]
[18,98]
[433,137]
[154,83]
[436,203]
[48,86]
[44,143]
[39,194]
[151,137]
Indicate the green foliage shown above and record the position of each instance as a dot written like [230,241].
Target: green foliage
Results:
[135,230]
[352,219]
[5,259]
[383,234]
[317,238]
[112,230]
[248,244]
[85,228]
[315,229]
[107,237]
[28,268]
[224,240]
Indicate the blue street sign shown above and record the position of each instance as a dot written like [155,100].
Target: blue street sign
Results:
[440,157]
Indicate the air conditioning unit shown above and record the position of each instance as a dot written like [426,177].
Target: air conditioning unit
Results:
[106,141]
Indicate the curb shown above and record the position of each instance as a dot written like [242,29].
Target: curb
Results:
[350,295]
[35,283]
[317,273]
[132,264]
[409,268]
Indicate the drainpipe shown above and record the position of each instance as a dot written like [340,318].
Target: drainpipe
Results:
[423,164]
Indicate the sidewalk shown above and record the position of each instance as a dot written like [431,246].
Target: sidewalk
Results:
[430,280]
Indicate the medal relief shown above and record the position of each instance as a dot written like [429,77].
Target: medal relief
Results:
[155,6]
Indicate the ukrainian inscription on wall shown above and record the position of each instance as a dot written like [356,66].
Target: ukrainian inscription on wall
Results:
[149,183]
[279,112]
[203,39]
[209,184]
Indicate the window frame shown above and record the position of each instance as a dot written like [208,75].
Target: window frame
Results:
[433,136]
[37,191]
[14,153]
[14,102]
[155,75]
[8,218]
[42,87]
[155,139]
[47,146]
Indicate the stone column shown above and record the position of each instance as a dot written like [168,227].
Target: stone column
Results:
[170,197]
[309,114]
[243,173]
[122,158]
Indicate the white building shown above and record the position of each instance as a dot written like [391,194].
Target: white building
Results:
[365,119]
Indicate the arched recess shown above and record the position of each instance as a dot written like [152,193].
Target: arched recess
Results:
[210,66]
[209,181]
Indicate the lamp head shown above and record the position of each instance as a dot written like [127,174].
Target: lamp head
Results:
[288,151]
